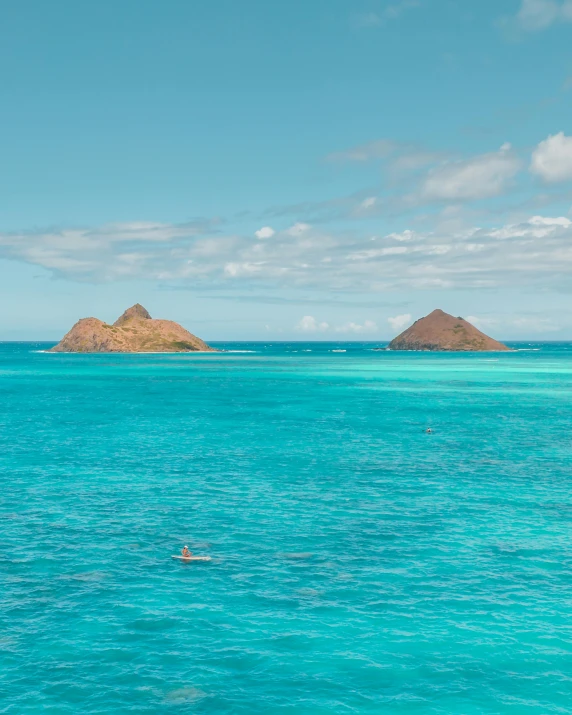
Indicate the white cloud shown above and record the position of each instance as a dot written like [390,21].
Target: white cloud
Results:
[309,324]
[535,227]
[378,149]
[482,323]
[367,326]
[511,324]
[377,252]
[535,324]
[297,229]
[552,158]
[535,15]
[547,221]
[400,158]
[390,12]
[535,253]
[477,178]
[265,232]
[368,203]
[242,269]
[410,161]
[406,235]
[400,321]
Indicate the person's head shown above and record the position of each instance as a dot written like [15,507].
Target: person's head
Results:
[186,547]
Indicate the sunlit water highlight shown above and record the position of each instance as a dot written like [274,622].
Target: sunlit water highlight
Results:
[358,565]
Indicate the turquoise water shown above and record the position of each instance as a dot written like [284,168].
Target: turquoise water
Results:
[358,565]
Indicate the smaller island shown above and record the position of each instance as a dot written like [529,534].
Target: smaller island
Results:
[440,331]
[134,332]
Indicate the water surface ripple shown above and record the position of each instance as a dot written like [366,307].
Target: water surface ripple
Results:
[358,565]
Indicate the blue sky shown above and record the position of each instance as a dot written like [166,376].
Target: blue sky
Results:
[323,169]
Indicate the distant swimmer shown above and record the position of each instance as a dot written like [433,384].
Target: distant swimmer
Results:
[429,430]
[186,553]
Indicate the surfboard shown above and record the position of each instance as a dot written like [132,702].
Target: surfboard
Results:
[192,558]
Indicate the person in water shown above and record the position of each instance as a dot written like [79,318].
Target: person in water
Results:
[186,553]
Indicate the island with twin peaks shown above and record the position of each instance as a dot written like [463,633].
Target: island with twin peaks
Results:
[134,332]
[442,332]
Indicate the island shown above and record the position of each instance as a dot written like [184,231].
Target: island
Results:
[134,332]
[440,331]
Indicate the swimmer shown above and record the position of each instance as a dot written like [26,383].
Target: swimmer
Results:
[428,430]
[186,553]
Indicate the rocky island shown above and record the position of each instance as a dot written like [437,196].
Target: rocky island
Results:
[134,332]
[440,331]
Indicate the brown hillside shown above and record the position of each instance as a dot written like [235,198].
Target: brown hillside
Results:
[134,332]
[441,331]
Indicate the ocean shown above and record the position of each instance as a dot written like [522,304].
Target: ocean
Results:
[359,564]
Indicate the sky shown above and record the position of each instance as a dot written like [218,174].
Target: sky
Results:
[301,170]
